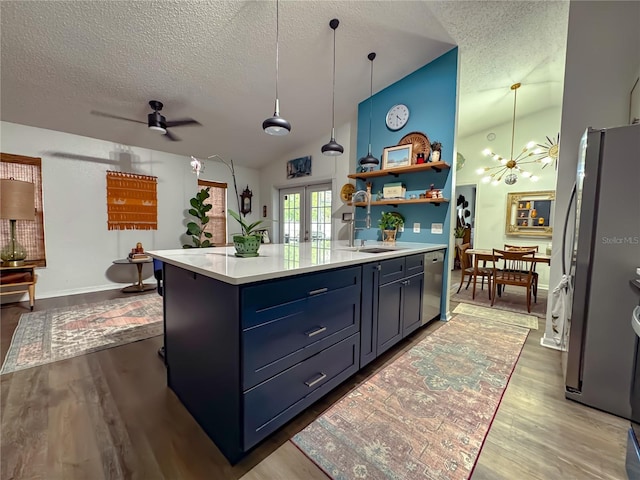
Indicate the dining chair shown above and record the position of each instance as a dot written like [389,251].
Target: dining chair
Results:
[517,271]
[468,269]
[522,248]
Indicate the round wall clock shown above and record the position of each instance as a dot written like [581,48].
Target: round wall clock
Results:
[397,117]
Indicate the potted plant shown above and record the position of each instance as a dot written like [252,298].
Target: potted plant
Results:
[389,224]
[248,241]
[196,228]
[459,234]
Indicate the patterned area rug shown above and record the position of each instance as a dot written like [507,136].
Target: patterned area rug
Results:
[56,334]
[512,300]
[519,319]
[424,416]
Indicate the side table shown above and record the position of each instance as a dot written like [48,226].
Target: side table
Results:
[136,287]
[20,279]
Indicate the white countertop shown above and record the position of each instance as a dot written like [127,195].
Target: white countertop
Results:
[277,260]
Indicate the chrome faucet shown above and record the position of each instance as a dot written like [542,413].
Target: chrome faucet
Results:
[352,227]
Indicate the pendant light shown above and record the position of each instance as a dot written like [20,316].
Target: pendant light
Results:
[333,148]
[276,125]
[370,161]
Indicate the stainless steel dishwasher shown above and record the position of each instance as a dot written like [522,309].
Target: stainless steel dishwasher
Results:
[432,293]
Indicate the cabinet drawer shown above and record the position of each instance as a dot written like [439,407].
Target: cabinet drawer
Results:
[271,299]
[274,402]
[298,333]
[392,270]
[415,264]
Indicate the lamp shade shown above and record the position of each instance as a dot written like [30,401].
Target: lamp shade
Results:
[17,200]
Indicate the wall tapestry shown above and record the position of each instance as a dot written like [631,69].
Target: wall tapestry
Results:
[299,167]
[132,202]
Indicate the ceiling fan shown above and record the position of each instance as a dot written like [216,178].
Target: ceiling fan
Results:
[155,120]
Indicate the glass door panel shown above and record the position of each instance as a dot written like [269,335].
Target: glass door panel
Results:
[306,214]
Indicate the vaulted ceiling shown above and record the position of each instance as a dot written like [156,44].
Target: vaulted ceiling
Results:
[214,61]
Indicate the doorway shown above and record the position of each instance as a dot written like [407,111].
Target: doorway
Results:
[466,209]
[306,214]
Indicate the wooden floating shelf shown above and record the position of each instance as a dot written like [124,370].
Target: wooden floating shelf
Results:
[418,167]
[399,201]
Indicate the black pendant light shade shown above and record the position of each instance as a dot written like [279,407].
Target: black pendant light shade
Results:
[276,125]
[370,161]
[333,148]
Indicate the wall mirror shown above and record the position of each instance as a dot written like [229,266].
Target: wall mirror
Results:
[530,213]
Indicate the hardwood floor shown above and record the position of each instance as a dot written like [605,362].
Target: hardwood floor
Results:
[109,415]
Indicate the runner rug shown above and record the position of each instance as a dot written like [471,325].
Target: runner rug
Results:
[513,299]
[424,416]
[57,334]
[519,319]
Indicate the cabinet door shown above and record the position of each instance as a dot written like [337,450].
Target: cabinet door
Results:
[389,315]
[412,303]
[369,313]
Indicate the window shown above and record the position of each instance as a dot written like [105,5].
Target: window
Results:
[217,225]
[30,234]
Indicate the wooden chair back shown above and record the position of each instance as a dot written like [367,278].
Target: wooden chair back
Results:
[518,267]
[463,256]
[521,248]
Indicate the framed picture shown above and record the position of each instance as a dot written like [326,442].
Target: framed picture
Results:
[299,167]
[530,213]
[398,156]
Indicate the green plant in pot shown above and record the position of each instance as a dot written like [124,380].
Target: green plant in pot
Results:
[196,228]
[247,243]
[459,234]
[389,224]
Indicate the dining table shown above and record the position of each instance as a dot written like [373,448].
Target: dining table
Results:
[486,254]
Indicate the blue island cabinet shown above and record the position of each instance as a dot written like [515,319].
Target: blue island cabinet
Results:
[245,359]
[391,303]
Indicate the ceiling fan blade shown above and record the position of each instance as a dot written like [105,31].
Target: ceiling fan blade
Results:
[108,115]
[170,136]
[182,122]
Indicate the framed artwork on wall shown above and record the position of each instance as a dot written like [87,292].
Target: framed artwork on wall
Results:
[530,213]
[299,167]
[398,156]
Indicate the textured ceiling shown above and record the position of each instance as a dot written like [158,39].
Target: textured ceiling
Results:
[215,61]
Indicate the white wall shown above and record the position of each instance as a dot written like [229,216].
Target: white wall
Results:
[603,56]
[491,201]
[323,169]
[79,248]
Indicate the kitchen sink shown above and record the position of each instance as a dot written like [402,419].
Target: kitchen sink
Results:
[377,250]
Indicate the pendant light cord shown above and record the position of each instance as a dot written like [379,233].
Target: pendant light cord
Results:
[370,102]
[277,48]
[333,96]
[513,124]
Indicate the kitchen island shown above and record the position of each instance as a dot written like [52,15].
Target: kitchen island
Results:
[252,342]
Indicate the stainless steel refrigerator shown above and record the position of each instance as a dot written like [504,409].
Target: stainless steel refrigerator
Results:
[602,253]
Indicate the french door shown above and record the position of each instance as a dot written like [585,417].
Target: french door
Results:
[305,214]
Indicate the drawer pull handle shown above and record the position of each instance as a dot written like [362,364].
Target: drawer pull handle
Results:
[318,291]
[319,379]
[311,333]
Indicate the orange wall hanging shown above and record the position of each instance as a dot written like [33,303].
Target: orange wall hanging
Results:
[132,202]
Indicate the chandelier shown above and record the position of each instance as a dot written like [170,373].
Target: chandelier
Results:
[509,168]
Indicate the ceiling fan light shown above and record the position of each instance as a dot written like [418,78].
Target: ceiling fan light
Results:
[332,149]
[158,128]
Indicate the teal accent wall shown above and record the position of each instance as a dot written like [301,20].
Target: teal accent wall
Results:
[430,94]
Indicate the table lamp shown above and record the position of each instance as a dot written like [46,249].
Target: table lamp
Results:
[16,203]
